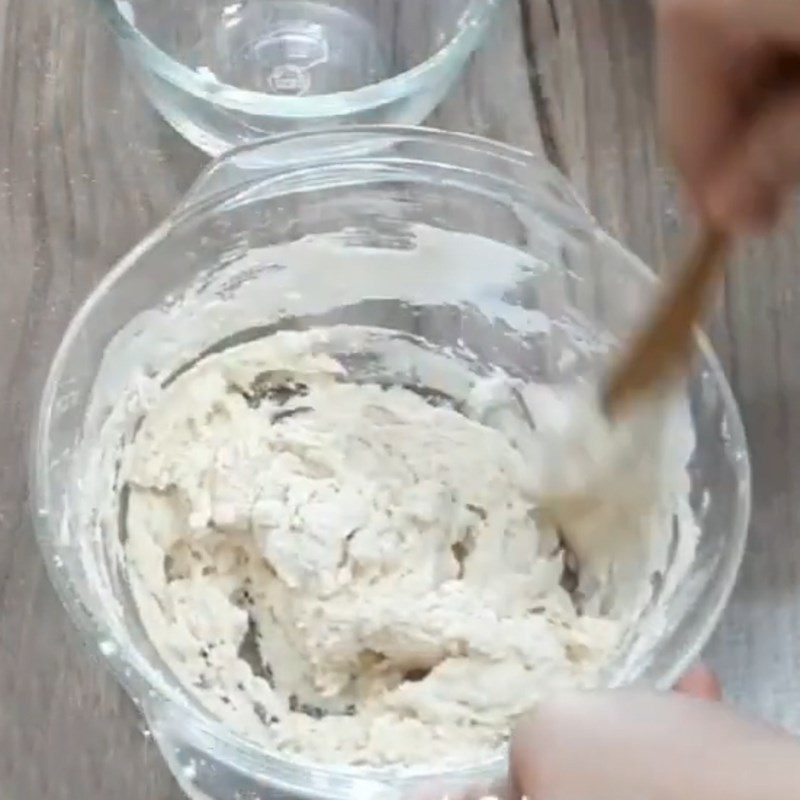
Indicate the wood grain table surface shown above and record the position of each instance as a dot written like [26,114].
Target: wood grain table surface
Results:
[86,168]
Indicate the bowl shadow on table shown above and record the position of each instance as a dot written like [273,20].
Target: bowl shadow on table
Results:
[770,572]
[128,127]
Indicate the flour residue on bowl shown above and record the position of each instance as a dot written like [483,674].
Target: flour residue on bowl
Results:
[343,503]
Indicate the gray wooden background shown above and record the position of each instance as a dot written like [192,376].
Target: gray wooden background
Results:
[86,168]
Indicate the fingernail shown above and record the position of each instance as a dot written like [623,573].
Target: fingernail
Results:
[700,682]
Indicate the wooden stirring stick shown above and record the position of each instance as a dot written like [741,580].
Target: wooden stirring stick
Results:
[663,349]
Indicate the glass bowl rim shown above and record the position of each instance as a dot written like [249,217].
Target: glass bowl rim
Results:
[211,735]
[477,17]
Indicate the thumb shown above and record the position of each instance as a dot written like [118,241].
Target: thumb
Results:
[628,745]
[749,189]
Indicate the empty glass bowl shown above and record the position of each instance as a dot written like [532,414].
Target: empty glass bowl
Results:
[228,72]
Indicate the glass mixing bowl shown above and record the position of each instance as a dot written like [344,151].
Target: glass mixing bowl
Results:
[228,72]
[453,239]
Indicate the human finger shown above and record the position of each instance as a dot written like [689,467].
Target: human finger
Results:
[627,745]
[697,90]
[752,184]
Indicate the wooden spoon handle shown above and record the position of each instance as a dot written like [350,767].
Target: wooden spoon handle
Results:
[663,349]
